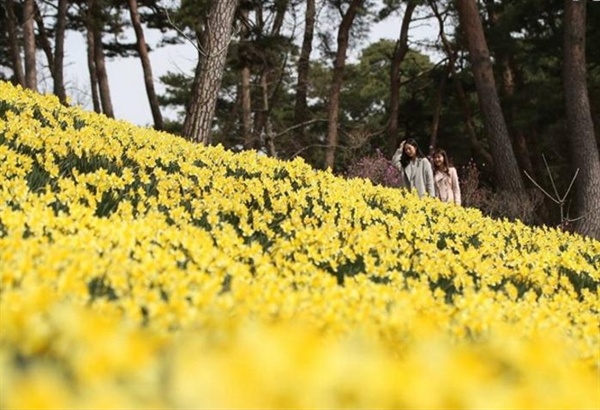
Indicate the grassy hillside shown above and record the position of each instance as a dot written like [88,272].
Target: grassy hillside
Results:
[139,270]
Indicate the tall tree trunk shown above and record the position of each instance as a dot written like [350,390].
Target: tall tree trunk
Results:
[91,63]
[59,51]
[399,53]
[13,40]
[146,66]
[262,113]
[336,85]
[262,123]
[245,95]
[451,54]
[30,48]
[209,71]
[518,135]
[54,56]
[476,145]
[301,105]
[43,39]
[505,164]
[246,103]
[281,9]
[230,128]
[584,149]
[95,14]
[461,95]
[437,108]
[267,141]
[507,88]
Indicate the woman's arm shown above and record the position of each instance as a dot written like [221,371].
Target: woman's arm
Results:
[455,185]
[428,176]
[398,165]
[396,159]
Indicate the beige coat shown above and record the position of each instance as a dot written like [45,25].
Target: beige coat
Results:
[447,188]
[418,175]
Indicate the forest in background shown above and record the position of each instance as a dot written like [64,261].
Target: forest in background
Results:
[515,100]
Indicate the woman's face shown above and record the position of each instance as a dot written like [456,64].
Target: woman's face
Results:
[410,151]
[438,160]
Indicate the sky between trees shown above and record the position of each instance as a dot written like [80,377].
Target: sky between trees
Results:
[126,77]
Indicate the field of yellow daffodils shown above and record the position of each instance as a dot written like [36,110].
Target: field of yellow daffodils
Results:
[139,270]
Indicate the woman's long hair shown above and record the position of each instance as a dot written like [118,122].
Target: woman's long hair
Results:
[446,165]
[404,159]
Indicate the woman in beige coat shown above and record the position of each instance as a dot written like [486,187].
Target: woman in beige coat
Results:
[445,178]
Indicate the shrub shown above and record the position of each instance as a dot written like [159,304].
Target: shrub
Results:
[497,204]
[376,168]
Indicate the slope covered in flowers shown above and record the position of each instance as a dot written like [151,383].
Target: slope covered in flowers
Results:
[139,270]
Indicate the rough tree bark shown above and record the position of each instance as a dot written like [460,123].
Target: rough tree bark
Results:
[268,142]
[584,149]
[461,95]
[508,85]
[13,39]
[146,65]
[399,54]
[43,40]
[245,95]
[92,69]
[59,51]
[269,83]
[29,41]
[95,24]
[209,71]
[336,85]
[506,169]
[437,106]
[301,105]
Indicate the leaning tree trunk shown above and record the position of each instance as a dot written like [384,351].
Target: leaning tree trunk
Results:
[507,88]
[506,168]
[209,71]
[400,51]
[13,40]
[584,149]
[29,40]
[301,105]
[336,86]
[146,66]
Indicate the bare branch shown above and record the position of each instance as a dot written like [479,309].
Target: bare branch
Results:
[541,189]
[192,42]
[560,201]
[316,146]
[226,46]
[196,43]
[570,185]
[298,126]
[550,174]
